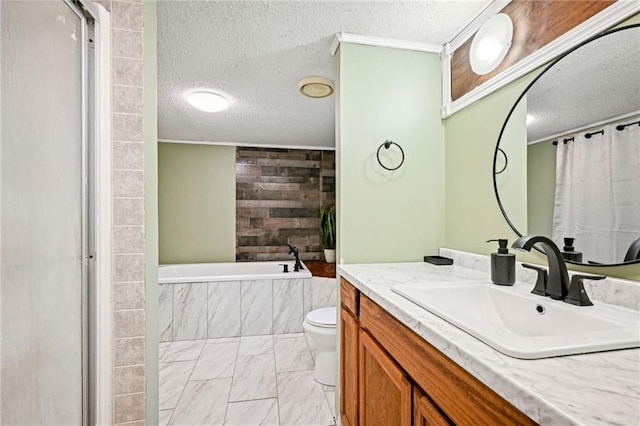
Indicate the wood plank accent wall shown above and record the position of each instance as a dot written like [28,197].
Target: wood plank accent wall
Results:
[535,24]
[278,192]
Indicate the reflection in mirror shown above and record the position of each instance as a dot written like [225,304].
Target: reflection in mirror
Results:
[572,141]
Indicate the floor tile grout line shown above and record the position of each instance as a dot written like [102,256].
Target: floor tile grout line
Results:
[330,410]
[237,355]
[233,375]
[184,341]
[187,383]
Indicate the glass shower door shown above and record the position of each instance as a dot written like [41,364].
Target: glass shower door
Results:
[43,269]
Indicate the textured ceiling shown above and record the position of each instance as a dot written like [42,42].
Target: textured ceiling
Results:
[598,81]
[255,52]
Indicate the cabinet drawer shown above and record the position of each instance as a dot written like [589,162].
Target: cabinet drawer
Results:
[463,398]
[350,297]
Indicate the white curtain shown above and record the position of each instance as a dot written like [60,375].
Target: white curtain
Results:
[597,199]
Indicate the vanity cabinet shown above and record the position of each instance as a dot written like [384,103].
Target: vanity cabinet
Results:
[425,412]
[395,377]
[349,352]
[384,389]
[349,340]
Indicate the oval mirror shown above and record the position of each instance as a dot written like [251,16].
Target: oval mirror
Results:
[567,161]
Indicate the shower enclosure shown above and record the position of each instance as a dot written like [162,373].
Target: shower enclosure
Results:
[47,213]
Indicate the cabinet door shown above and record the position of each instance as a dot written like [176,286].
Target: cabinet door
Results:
[385,392]
[426,413]
[349,368]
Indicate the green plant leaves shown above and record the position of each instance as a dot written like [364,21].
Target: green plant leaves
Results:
[328,226]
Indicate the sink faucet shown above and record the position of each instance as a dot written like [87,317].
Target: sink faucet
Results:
[558,280]
[294,250]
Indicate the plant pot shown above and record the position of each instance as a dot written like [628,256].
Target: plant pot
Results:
[330,255]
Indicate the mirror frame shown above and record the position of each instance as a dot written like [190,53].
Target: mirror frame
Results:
[504,125]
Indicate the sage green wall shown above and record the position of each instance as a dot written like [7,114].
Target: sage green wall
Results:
[541,186]
[514,176]
[472,212]
[386,216]
[150,122]
[197,198]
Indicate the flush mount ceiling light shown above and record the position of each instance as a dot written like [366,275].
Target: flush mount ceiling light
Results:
[491,44]
[207,101]
[316,87]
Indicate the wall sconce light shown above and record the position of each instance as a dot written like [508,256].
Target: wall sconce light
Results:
[491,44]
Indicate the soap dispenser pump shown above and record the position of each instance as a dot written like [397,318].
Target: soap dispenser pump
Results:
[569,252]
[503,264]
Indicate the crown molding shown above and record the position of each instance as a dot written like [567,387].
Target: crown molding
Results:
[614,14]
[247,145]
[382,42]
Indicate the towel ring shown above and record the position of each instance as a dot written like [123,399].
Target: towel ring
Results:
[387,144]
[506,162]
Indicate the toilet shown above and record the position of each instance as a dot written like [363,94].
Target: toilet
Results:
[321,326]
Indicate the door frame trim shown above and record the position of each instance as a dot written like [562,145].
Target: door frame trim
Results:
[102,397]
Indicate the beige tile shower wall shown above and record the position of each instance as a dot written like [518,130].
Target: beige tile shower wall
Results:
[129,372]
[278,192]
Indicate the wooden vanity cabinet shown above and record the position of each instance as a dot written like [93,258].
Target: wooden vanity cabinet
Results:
[349,340]
[349,353]
[395,377]
[426,412]
[384,390]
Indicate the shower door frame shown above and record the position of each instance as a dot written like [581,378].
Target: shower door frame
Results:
[97,213]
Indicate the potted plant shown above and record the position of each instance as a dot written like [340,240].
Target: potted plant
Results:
[328,231]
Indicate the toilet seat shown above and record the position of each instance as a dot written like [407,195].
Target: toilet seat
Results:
[324,317]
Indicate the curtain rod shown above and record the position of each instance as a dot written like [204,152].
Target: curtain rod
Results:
[578,129]
[619,127]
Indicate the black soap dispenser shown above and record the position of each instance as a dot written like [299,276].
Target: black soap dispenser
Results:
[569,252]
[503,264]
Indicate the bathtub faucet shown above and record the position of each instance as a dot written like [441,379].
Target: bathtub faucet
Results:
[294,250]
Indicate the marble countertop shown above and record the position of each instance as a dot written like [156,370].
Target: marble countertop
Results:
[588,389]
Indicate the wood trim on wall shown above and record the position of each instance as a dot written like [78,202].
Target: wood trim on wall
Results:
[278,192]
[535,24]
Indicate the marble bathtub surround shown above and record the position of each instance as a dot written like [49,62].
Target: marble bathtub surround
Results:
[189,311]
[288,305]
[614,291]
[224,311]
[595,388]
[165,312]
[195,311]
[243,381]
[256,307]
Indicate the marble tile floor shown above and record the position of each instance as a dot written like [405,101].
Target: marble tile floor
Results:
[243,381]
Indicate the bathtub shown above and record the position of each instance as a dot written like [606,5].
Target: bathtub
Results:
[211,272]
[215,300]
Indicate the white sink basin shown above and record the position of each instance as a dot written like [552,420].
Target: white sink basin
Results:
[523,325]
